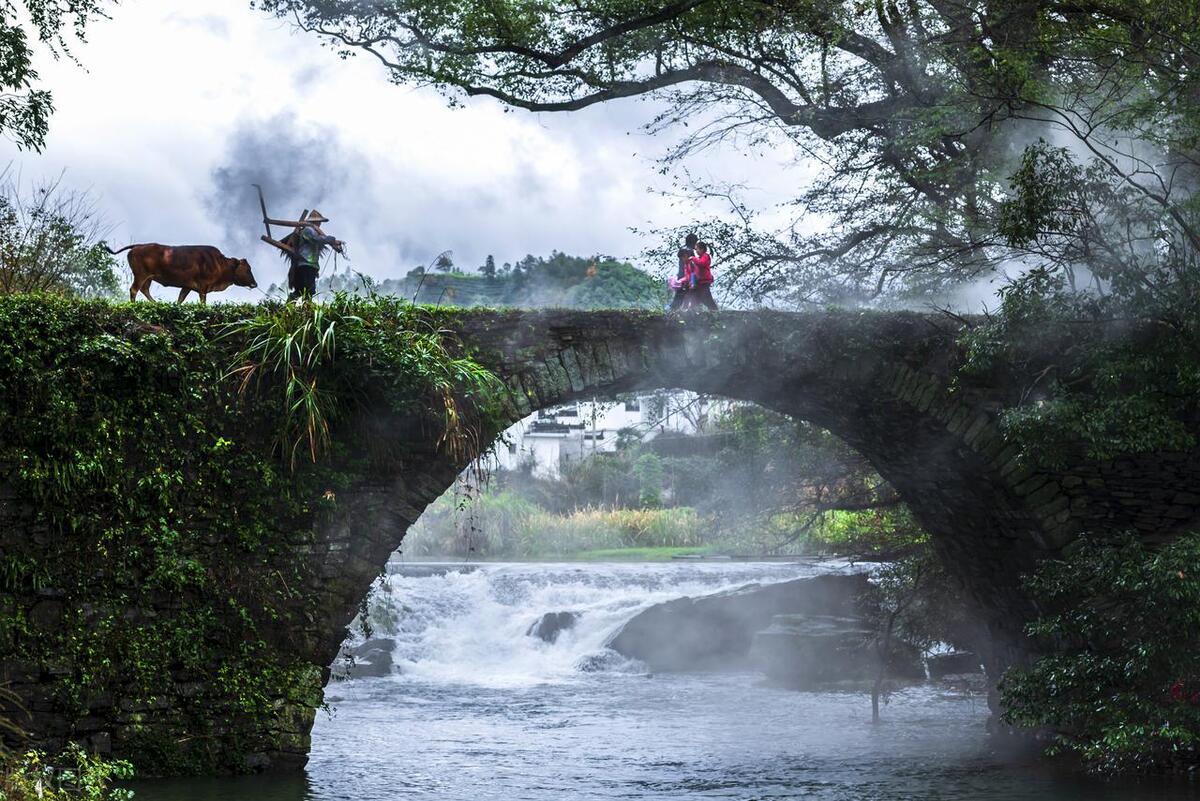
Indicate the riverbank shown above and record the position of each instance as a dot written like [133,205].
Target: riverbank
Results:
[504,526]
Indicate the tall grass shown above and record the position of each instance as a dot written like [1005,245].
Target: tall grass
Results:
[504,525]
[297,350]
[288,345]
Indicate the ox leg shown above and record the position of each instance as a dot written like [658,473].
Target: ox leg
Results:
[183,293]
[145,287]
[203,298]
[133,290]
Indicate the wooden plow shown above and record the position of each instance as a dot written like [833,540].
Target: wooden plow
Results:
[269,237]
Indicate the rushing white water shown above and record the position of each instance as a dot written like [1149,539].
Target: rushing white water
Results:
[476,710]
[457,624]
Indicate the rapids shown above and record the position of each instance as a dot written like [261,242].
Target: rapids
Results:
[476,709]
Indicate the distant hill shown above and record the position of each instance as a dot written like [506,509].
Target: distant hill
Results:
[564,281]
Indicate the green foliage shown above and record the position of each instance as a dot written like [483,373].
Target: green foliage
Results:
[560,281]
[294,346]
[648,469]
[118,429]
[49,242]
[603,479]
[504,525]
[73,776]
[884,532]
[764,484]
[153,484]
[1066,212]
[922,601]
[1122,685]
[917,112]
[25,109]
[796,484]
[290,344]
[640,554]
[1115,388]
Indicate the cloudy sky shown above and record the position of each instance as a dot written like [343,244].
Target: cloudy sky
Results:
[179,106]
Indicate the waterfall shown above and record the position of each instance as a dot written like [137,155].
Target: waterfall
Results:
[458,624]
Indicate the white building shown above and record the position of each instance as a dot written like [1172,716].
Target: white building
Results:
[548,439]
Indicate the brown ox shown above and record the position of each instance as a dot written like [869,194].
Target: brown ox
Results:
[194,268]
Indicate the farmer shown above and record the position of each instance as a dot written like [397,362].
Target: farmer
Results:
[308,243]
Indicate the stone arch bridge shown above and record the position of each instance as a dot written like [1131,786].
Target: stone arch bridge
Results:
[883,382]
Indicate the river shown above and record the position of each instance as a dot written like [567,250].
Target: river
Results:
[475,709]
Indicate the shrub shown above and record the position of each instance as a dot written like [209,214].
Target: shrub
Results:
[75,776]
[50,242]
[504,525]
[1122,686]
[293,349]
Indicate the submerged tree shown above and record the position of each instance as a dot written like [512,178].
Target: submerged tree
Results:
[917,112]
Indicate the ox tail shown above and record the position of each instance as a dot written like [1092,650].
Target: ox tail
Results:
[122,250]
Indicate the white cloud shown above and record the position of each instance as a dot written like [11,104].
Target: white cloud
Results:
[165,91]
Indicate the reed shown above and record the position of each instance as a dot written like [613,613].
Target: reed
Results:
[504,525]
[296,350]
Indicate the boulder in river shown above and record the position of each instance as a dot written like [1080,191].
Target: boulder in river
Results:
[802,650]
[369,659]
[550,625]
[715,632]
[955,663]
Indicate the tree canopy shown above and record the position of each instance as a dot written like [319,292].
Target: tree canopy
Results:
[919,113]
[25,107]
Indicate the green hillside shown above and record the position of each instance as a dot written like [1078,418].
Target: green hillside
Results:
[564,281]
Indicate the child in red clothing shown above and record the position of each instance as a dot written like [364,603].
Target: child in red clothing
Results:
[699,277]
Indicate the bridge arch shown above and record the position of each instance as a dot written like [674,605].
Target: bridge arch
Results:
[886,383]
[881,382]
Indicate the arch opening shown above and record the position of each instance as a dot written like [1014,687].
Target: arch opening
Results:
[879,384]
[469,631]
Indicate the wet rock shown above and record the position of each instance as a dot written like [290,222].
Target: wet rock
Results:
[602,662]
[550,625]
[716,632]
[967,683]
[956,663]
[369,659]
[803,651]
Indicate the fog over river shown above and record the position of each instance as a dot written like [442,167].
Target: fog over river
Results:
[476,709]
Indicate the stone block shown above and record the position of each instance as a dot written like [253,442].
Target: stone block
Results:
[958,420]
[603,363]
[926,399]
[976,429]
[1029,485]
[559,382]
[570,362]
[1048,502]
